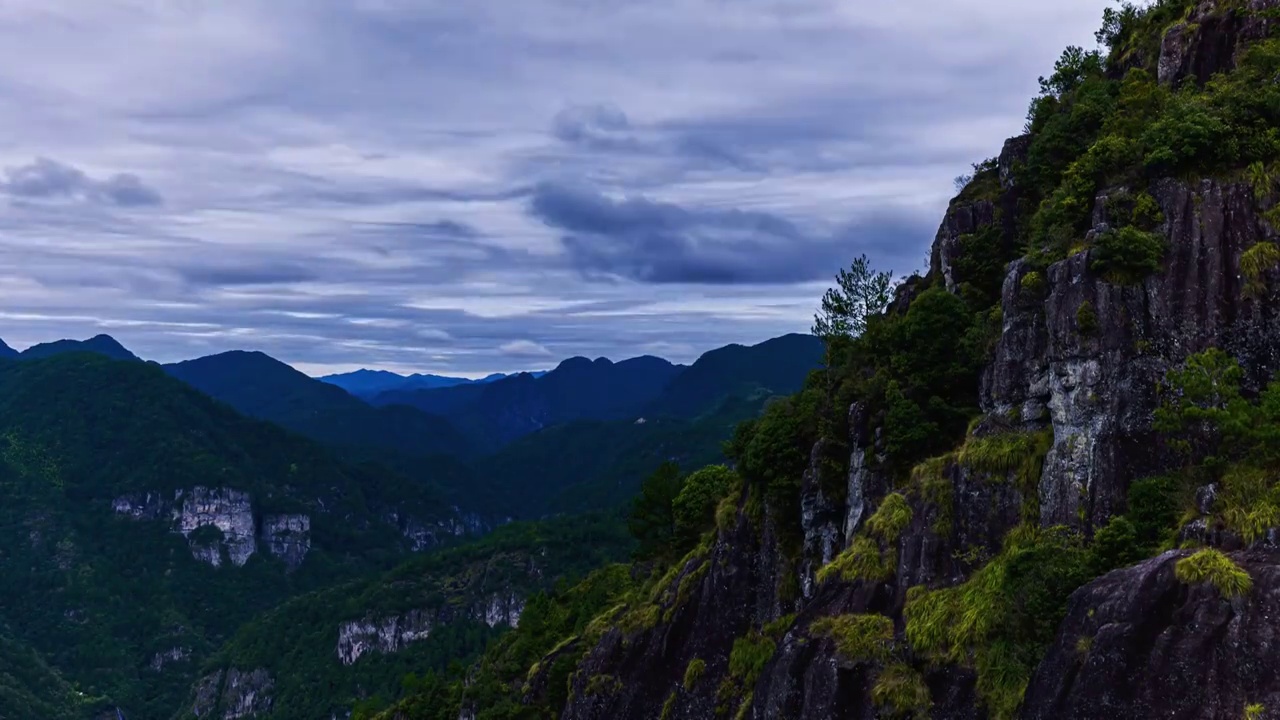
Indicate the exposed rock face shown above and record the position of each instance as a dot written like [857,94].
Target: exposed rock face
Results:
[230,511]
[233,694]
[246,694]
[820,519]
[961,219]
[386,635]
[141,506]
[1137,643]
[392,634]
[503,609]
[170,656]
[1211,39]
[720,606]
[423,535]
[1099,386]
[287,537]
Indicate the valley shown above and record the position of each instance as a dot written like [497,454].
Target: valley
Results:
[1035,479]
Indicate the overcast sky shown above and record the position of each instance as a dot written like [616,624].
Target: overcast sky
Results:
[467,186]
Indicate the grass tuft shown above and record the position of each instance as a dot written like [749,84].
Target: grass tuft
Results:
[1211,566]
[858,638]
[902,691]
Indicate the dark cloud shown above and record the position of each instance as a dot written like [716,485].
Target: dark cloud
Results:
[658,242]
[602,126]
[448,180]
[249,273]
[45,178]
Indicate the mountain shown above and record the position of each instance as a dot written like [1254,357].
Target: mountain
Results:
[143,522]
[370,383]
[263,387]
[498,412]
[599,464]
[6,351]
[778,366]
[435,610]
[100,344]
[1041,484]
[29,688]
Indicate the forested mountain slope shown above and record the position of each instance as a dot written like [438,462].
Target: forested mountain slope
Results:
[143,522]
[1039,484]
[357,646]
[263,387]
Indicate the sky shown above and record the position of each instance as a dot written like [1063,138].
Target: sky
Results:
[489,185]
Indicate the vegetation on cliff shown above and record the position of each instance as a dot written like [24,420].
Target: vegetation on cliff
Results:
[1105,126]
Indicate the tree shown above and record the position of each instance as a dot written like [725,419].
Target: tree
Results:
[695,507]
[860,293]
[652,519]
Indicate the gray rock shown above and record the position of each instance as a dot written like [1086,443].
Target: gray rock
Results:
[230,511]
[1139,644]
[287,537]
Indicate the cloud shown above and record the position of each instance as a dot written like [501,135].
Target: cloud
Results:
[657,242]
[45,178]
[524,349]
[225,274]
[600,126]
[414,185]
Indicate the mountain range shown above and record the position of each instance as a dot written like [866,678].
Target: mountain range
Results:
[508,446]
[370,383]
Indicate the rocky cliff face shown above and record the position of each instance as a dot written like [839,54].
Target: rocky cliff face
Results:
[220,523]
[391,634]
[1077,367]
[234,694]
[1140,642]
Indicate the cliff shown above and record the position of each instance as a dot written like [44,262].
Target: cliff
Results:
[1039,485]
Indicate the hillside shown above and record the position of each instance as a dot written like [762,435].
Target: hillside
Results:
[29,688]
[595,465]
[263,387]
[368,384]
[358,645]
[1039,485]
[6,351]
[776,367]
[578,389]
[143,522]
[100,344]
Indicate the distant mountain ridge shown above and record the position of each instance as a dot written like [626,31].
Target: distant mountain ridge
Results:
[260,386]
[100,344]
[578,389]
[6,351]
[408,425]
[371,383]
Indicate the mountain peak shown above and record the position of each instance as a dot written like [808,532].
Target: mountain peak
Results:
[100,344]
[6,351]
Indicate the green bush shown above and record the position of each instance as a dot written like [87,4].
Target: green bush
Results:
[1086,319]
[1128,255]
[1017,454]
[902,690]
[1001,620]
[858,638]
[749,656]
[1255,263]
[891,518]
[1211,566]
[695,507]
[862,560]
[693,673]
